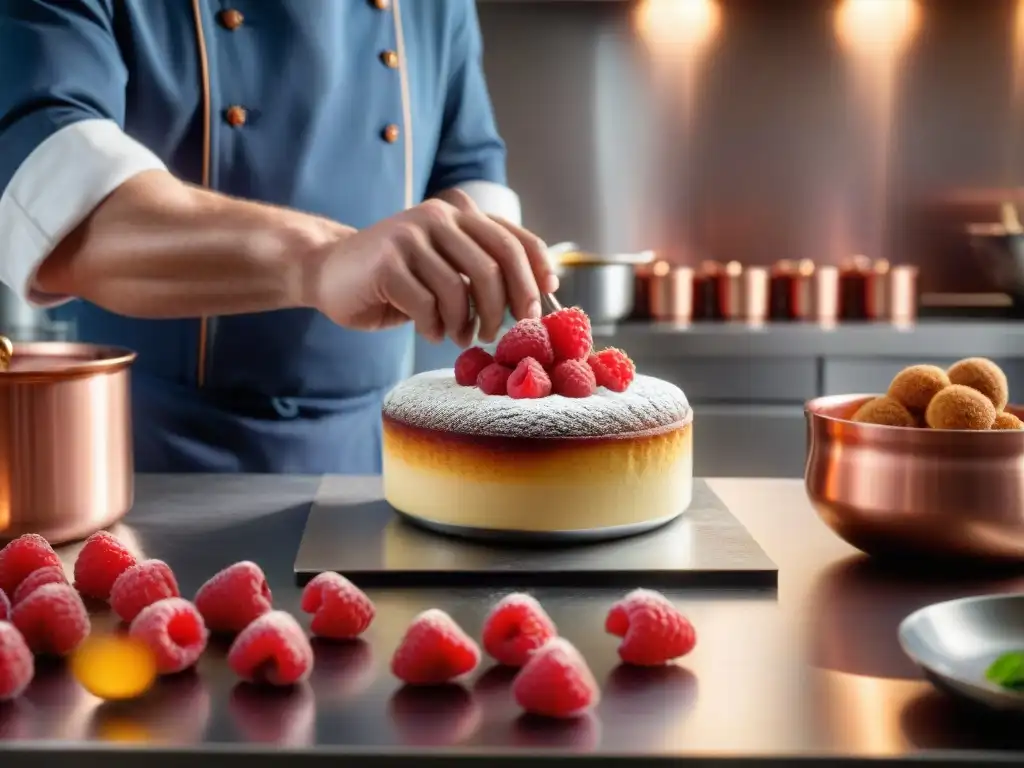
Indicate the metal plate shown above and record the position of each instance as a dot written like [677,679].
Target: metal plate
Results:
[956,641]
[370,543]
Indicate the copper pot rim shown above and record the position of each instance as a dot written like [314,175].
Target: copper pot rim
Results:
[79,360]
[819,408]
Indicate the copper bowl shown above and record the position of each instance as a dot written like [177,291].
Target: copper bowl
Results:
[66,466]
[925,492]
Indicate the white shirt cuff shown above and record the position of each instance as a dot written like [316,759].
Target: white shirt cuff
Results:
[494,199]
[55,189]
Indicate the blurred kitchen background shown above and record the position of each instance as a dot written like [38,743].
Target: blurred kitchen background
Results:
[769,200]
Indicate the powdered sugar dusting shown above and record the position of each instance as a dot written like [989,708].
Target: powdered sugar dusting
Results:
[433,400]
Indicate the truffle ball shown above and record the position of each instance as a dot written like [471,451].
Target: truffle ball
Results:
[917,385]
[885,411]
[984,376]
[960,407]
[1006,420]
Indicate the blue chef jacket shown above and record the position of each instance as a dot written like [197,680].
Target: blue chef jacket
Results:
[351,109]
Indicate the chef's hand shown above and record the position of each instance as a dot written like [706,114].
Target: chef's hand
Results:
[426,264]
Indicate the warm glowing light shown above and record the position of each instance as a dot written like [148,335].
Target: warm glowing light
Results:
[114,667]
[877,26]
[678,25]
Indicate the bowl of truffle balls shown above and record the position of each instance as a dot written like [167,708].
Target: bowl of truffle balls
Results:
[933,468]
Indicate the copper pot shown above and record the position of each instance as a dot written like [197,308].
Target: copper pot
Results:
[904,491]
[66,466]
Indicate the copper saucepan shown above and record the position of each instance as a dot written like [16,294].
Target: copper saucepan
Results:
[66,467]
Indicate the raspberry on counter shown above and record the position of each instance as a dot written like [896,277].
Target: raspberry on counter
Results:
[22,556]
[341,611]
[556,682]
[99,563]
[516,627]
[234,598]
[569,331]
[141,585]
[174,631]
[52,619]
[434,650]
[652,629]
[51,574]
[272,650]
[17,666]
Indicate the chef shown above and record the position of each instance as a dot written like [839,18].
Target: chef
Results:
[263,198]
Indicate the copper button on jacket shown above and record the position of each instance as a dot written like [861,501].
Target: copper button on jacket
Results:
[390,59]
[235,116]
[381,5]
[231,19]
[391,133]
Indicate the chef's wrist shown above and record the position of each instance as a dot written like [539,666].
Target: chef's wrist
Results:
[319,239]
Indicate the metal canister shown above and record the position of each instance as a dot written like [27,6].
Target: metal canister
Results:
[854,293]
[755,294]
[671,293]
[707,291]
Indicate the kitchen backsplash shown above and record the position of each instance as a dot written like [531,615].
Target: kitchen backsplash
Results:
[775,142]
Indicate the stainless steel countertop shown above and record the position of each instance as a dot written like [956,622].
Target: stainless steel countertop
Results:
[928,339]
[814,672]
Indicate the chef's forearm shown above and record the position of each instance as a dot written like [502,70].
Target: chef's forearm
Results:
[159,248]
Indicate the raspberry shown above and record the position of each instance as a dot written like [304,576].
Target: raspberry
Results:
[174,631]
[527,338]
[653,631]
[573,378]
[101,561]
[273,649]
[556,682]
[341,611]
[613,369]
[493,380]
[515,628]
[529,380]
[51,574]
[52,619]
[17,667]
[434,650]
[22,556]
[5,607]
[469,364]
[141,585]
[234,598]
[569,331]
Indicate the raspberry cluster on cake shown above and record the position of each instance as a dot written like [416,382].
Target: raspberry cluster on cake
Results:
[546,436]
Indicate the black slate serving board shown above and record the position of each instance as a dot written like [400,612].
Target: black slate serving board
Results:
[365,540]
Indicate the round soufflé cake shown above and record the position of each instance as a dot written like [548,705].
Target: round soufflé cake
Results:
[457,457]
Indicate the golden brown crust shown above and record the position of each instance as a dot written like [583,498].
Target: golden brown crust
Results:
[518,460]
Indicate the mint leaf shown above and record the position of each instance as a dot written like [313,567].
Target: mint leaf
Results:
[1008,671]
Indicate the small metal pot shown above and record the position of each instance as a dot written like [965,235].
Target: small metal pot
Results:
[66,465]
[602,286]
